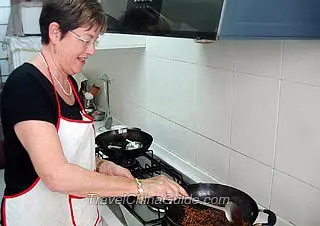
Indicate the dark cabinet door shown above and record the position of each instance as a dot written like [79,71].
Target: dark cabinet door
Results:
[271,18]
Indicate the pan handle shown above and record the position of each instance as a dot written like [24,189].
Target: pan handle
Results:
[272,218]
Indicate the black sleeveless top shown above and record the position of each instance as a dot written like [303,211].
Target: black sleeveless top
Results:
[27,95]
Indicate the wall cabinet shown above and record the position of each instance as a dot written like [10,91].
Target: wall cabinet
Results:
[294,19]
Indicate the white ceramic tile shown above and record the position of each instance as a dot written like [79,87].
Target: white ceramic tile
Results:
[213,158]
[301,61]
[250,176]
[295,201]
[4,15]
[183,142]
[254,116]
[134,116]
[4,64]
[218,54]
[299,132]
[5,3]
[183,94]
[3,31]
[159,46]
[214,104]
[259,57]
[116,105]
[158,70]
[160,129]
[137,87]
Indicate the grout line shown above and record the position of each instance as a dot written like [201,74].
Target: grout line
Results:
[231,113]
[295,178]
[275,146]
[204,136]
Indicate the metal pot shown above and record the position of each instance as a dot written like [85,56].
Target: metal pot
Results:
[248,207]
[114,143]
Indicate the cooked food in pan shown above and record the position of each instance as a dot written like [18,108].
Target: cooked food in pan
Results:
[208,217]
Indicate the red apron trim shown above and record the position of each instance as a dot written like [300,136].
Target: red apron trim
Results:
[23,192]
[4,217]
[94,130]
[98,218]
[75,120]
[71,212]
[76,197]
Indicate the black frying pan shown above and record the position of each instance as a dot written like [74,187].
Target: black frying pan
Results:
[248,207]
[110,141]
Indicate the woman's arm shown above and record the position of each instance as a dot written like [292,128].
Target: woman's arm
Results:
[111,169]
[41,141]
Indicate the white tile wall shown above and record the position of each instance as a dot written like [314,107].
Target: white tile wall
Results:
[213,158]
[214,104]
[134,116]
[4,3]
[159,127]
[4,67]
[183,93]
[301,61]
[259,57]
[158,70]
[159,47]
[219,54]
[191,90]
[295,201]
[138,80]
[254,116]
[299,132]
[4,14]
[184,142]
[250,176]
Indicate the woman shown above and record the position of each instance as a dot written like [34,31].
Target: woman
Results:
[49,140]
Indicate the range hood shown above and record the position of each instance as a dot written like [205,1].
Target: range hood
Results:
[197,19]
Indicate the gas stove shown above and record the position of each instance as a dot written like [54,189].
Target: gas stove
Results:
[151,212]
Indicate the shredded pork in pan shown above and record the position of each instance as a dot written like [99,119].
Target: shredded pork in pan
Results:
[207,217]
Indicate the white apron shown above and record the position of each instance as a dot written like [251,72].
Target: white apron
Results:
[37,205]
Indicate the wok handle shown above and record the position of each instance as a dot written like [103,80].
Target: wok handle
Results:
[272,218]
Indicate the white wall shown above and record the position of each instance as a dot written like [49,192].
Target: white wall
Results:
[4,16]
[4,67]
[246,112]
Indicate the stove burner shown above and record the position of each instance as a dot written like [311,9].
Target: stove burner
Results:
[130,164]
[145,166]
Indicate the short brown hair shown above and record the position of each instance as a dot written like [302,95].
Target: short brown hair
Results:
[71,14]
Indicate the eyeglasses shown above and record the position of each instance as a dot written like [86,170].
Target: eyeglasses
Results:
[87,41]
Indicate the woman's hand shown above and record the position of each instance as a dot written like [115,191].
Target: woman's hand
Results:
[112,169]
[162,186]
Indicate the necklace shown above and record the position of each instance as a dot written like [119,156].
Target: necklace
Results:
[63,90]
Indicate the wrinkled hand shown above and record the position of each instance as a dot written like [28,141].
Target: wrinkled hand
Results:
[162,186]
[112,169]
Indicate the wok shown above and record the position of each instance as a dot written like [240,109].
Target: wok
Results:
[113,143]
[248,207]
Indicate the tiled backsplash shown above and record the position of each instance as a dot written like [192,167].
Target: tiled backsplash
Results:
[245,112]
